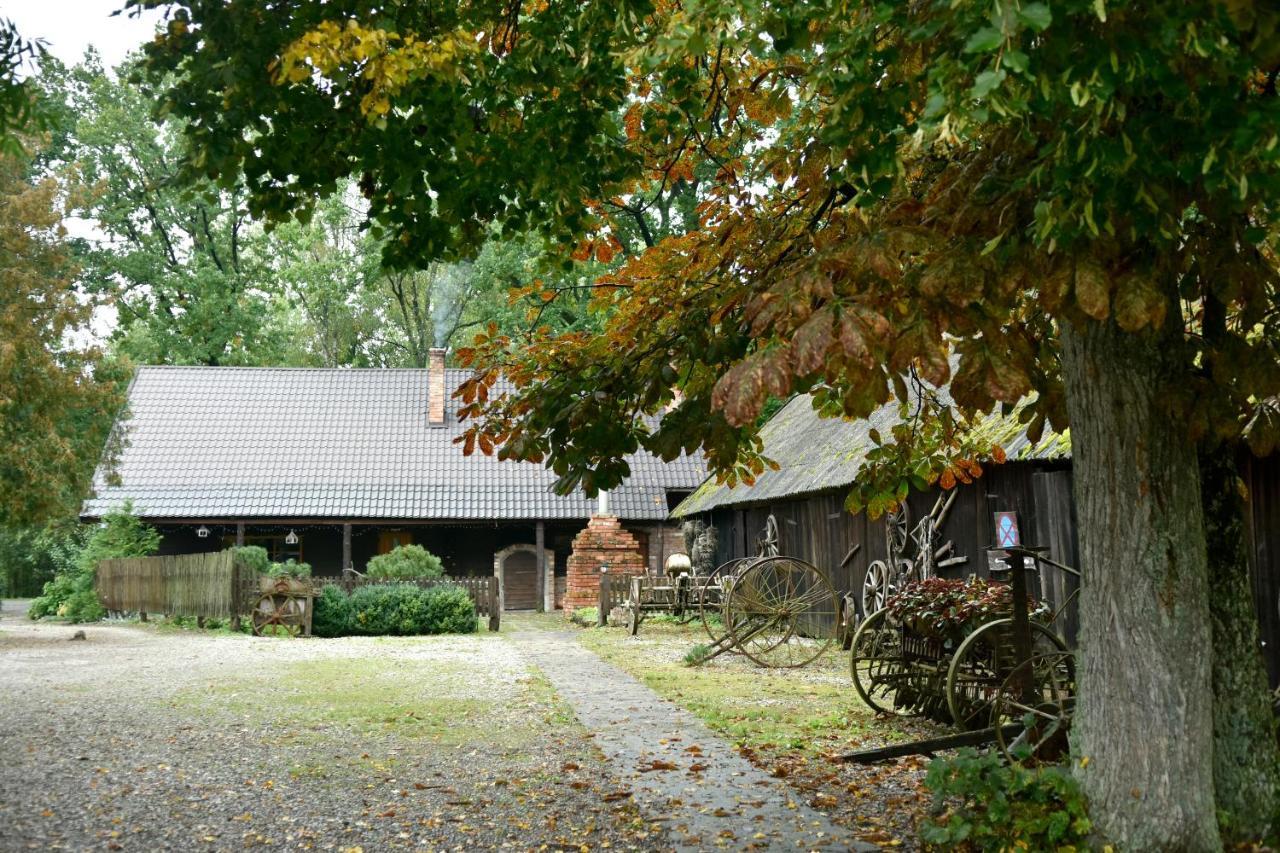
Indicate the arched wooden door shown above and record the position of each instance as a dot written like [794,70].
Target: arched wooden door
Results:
[520,580]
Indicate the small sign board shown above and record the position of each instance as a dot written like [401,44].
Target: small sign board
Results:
[1007,535]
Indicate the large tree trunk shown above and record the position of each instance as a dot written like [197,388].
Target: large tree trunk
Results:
[1246,760]
[1144,718]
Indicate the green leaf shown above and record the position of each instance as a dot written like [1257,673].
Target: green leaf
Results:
[1016,60]
[984,40]
[986,82]
[1036,15]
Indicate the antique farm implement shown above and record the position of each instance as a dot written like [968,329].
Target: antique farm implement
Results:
[977,655]
[778,611]
[283,606]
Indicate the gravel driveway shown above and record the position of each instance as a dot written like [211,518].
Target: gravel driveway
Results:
[143,738]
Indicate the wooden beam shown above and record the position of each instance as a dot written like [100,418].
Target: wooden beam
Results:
[927,746]
[346,549]
[540,553]
[239,534]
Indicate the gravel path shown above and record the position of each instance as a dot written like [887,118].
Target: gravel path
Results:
[674,765]
[143,738]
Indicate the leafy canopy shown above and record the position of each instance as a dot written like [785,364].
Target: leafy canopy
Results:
[890,196]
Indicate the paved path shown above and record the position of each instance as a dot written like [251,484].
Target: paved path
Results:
[673,765]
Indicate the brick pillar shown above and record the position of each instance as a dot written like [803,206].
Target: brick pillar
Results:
[602,541]
[435,386]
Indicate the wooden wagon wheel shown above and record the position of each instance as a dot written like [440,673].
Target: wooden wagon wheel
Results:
[782,612]
[1044,710]
[711,598]
[278,611]
[880,583]
[981,664]
[877,666]
[897,532]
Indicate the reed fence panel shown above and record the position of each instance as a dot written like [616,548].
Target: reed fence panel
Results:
[200,585]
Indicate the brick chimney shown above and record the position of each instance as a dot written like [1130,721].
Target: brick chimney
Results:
[435,386]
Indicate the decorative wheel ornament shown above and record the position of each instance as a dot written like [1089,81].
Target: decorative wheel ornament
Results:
[982,664]
[897,531]
[279,613]
[781,612]
[1039,695]
[877,666]
[877,586]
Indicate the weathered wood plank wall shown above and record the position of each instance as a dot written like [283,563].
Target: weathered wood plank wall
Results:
[1263,481]
[818,529]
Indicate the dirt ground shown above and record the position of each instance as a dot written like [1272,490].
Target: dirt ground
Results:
[143,737]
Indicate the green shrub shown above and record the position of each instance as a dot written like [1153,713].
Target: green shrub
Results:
[289,569]
[405,610]
[981,803]
[253,557]
[71,594]
[405,562]
[331,613]
[449,611]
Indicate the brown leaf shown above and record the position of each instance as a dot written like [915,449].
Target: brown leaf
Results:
[853,342]
[811,342]
[1093,290]
[1138,303]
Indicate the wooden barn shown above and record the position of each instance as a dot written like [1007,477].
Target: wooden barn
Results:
[820,458]
[334,466]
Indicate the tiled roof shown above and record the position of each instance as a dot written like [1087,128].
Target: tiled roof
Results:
[815,454]
[243,442]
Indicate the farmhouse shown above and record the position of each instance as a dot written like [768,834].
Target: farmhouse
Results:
[820,458]
[335,466]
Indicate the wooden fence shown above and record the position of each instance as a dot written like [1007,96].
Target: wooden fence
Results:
[615,589]
[200,585]
[483,589]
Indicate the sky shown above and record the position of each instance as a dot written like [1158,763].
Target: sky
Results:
[70,26]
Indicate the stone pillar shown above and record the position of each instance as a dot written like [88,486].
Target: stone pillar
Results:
[601,542]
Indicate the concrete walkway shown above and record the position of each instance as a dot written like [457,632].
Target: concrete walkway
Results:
[674,767]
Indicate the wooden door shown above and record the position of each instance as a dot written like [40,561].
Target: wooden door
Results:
[389,540]
[520,580]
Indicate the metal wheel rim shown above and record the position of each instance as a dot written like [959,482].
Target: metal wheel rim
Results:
[1053,677]
[782,612]
[707,608]
[875,660]
[971,712]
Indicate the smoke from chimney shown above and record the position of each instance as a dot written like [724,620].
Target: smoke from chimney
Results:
[447,297]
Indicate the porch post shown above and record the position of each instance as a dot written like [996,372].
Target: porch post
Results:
[347,568]
[235,594]
[539,539]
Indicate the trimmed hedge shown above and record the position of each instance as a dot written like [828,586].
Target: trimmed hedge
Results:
[393,610]
[331,613]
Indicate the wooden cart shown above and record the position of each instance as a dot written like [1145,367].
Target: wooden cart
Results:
[1012,670]
[283,607]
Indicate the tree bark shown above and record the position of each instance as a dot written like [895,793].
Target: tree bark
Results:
[1246,759]
[1143,728]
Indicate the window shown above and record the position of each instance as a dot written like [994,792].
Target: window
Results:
[277,549]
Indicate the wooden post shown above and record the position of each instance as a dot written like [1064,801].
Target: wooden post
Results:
[235,580]
[539,544]
[602,618]
[346,550]
[495,607]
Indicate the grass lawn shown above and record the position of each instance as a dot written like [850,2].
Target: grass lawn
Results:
[811,711]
